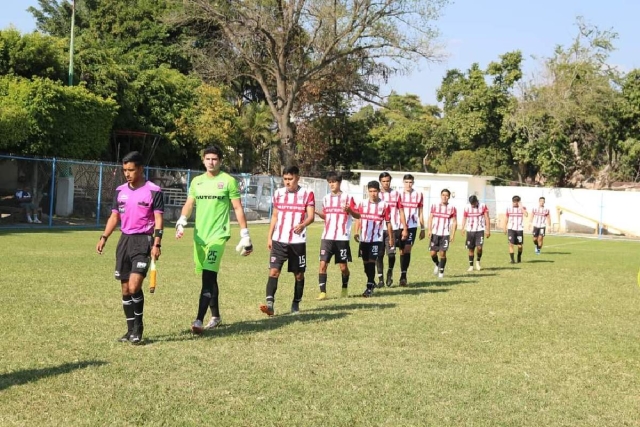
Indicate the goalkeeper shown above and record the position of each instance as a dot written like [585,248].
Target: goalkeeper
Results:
[213,193]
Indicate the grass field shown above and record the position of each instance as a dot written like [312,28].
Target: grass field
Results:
[553,341]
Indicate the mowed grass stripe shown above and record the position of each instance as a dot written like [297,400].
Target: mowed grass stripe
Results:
[551,341]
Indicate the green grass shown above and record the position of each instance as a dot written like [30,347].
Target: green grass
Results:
[553,341]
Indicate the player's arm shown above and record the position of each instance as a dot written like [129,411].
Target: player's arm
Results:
[321,214]
[392,241]
[350,208]
[524,212]
[487,224]
[272,226]
[157,234]
[184,214]
[464,221]
[111,225]
[357,224]
[421,219]
[548,221]
[245,247]
[454,228]
[430,224]
[403,221]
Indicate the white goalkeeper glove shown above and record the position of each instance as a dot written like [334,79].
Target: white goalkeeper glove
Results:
[245,247]
[180,225]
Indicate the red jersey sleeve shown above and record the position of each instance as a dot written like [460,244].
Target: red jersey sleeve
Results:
[387,213]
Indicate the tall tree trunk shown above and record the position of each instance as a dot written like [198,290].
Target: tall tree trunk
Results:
[286,131]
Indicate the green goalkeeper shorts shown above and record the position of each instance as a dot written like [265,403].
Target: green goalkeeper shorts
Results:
[208,257]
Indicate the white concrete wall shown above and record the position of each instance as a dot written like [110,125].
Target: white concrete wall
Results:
[617,210]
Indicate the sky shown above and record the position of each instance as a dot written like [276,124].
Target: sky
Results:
[480,31]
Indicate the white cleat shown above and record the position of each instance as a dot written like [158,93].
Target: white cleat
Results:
[470,268]
[435,270]
[478,267]
[196,327]
[213,323]
[440,275]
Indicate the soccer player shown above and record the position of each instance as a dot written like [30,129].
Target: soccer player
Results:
[213,194]
[139,206]
[398,226]
[443,221]
[475,221]
[412,205]
[374,216]
[541,220]
[515,226]
[293,211]
[337,212]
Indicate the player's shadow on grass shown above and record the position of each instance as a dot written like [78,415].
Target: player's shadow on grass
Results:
[556,253]
[363,305]
[423,289]
[498,268]
[30,375]
[251,326]
[535,261]
[443,282]
[474,274]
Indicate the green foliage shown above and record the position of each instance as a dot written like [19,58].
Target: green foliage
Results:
[57,120]
[31,55]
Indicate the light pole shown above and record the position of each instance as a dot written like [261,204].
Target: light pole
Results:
[73,20]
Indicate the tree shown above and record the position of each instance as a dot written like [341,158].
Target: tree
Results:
[284,45]
[80,130]
[31,55]
[567,124]
[475,105]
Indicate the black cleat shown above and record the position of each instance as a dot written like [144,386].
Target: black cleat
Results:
[389,279]
[380,284]
[126,337]
[403,282]
[367,293]
[295,307]
[136,335]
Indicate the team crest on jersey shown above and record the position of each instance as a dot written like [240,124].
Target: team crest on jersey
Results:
[220,185]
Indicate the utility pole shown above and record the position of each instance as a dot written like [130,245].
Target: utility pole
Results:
[73,20]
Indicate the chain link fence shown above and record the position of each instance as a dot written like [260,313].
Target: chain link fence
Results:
[71,193]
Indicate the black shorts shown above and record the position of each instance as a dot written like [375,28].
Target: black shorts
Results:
[396,241]
[411,238]
[133,255]
[339,248]
[475,239]
[539,231]
[515,236]
[369,251]
[439,243]
[295,254]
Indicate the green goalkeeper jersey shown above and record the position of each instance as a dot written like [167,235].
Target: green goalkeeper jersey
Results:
[213,197]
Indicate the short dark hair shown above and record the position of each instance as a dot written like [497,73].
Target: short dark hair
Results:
[515,199]
[384,175]
[542,198]
[213,149]
[291,170]
[334,176]
[133,157]
[408,176]
[446,190]
[373,184]
[473,199]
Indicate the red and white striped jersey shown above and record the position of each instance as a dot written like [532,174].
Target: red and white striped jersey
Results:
[475,217]
[442,216]
[373,220]
[393,200]
[292,210]
[540,216]
[412,202]
[515,218]
[337,223]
